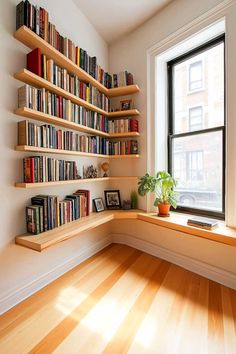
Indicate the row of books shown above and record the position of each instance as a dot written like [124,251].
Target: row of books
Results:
[58,106]
[123,147]
[47,69]
[46,169]
[48,136]
[47,212]
[123,125]
[37,19]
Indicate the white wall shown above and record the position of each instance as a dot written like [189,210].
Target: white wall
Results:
[19,266]
[130,53]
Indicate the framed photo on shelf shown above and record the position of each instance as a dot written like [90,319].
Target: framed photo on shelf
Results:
[125,105]
[112,199]
[98,205]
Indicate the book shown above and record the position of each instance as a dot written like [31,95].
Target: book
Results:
[202,222]
[34,61]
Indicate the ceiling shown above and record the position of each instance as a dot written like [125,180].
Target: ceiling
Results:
[114,18]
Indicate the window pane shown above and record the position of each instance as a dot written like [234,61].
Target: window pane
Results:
[197,165]
[199,81]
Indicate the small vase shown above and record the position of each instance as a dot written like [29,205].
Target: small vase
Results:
[164,210]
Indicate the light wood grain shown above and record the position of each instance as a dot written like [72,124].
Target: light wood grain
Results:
[77,181]
[48,118]
[47,239]
[27,148]
[123,301]
[127,113]
[72,229]
[32,40]
[30,78]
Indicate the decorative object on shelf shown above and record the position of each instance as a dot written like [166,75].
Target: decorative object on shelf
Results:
[126,205]
[125,105]
[162,185]
[105,168]
[90,172]
[112,199]
[98,205]
[134,200]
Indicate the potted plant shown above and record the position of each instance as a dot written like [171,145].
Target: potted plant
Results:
[163,185]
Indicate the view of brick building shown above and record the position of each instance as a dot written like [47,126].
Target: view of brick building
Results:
[199,105]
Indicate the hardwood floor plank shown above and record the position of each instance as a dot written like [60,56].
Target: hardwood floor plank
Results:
[126,332]
[100,325]
[65,327]
[124,301]
[23,310]
[215,320]
[228,321]
[57,307]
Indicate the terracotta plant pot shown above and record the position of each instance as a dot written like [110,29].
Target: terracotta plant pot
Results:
[164,210]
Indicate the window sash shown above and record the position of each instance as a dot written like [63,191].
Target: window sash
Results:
[172,136]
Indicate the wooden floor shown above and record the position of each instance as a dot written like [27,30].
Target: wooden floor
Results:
[124,301]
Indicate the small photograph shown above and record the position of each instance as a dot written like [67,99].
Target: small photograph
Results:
[98,204]
[125,105]
[112,199]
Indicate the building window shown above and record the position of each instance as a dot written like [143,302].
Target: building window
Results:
[195,118]
[195,76]
[196,143]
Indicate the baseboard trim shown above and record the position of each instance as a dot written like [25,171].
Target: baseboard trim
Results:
[15,296]
[206,270]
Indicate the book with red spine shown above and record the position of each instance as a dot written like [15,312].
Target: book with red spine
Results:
[34,62]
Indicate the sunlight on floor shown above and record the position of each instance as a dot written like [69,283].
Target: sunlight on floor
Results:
[69,299]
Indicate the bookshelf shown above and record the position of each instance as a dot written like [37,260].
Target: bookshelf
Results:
[128,113]
[32,40]
[74,181]
[62,233]
[49,119]
[49,238]
[30,78]
[26,148]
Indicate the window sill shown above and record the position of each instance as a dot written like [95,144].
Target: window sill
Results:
[177,222]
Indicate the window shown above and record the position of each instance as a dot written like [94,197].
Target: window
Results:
[195,118]
[195,76]
[196,136]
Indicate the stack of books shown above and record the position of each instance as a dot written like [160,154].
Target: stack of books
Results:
[58,106]
[203,223]
[47,212]
[47,69]
[123,147]
[47,136]
[37,19]
[45,169]
[123,125]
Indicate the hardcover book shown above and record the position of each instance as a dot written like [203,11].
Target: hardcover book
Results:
[204,223]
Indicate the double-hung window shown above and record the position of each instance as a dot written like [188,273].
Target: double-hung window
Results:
[196,133]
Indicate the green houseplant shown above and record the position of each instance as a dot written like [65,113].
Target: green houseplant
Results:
[162,184]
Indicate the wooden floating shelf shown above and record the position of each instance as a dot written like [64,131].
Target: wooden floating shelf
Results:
[67,231]
[30,78]
[127,113]
[49,119]
[222,234]
[123,91]
[32,40]
[27,148]
[124,135]
[59,183]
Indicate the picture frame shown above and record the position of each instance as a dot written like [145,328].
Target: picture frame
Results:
[98,205]
[112,199]
[125,105]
